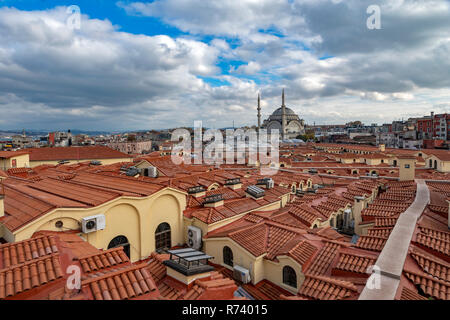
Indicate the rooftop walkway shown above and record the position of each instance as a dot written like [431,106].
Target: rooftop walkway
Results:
[391,260]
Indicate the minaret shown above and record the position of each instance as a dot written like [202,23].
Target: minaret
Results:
[259,112]
[283,117]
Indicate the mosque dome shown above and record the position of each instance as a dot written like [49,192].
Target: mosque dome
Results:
[290,115]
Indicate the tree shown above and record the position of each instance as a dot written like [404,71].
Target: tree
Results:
[307,136]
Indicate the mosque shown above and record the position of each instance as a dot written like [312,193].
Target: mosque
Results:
[283,119]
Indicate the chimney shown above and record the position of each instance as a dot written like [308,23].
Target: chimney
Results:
[187,265]
[432,114]
[358,207]
[213,201]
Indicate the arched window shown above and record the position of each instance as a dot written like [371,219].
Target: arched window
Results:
[395,163]
[435,164]
[431,163]
[227,256]
[289,276]
[163,237]
[120,241]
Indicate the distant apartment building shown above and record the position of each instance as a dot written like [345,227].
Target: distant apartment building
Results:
[130,147]
[435,126]
[431,131]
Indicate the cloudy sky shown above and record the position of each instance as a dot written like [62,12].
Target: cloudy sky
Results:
[165,63]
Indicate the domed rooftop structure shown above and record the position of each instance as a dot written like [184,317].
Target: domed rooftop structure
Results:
[290,114]
[283,119]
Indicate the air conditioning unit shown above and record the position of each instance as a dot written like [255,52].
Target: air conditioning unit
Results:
[150,172]
[93,223]
[241,274]
[270,183]
[194,237]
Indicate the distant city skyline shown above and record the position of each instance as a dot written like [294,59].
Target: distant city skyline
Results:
[164,64]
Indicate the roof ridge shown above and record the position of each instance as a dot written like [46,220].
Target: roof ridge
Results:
[341,283]
[10,244]
[429,257]
[427,276]
[99,253]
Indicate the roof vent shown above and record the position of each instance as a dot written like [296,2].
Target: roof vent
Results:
[96,163]
[268,183]
[187,265]
[150,172]
[132,171]
[255,192]
[262,181]
[232,181]
[196,189]
[213,198]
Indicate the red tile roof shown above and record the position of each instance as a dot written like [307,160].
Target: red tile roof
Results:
[17,253]
[75,153]
[408,294]
[325,288]
[431,286]
[352,262]
[371,243]
[432,265]
[434,239]
[124,284]
[28,275]
[323,260]
[10,154]
[103,260]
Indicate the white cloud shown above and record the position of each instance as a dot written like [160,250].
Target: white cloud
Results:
[103,77]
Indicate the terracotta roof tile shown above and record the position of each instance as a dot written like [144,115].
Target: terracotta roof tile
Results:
[127,283]
[431,286]
[323,260]
[408,294]
[432,265]
[16,253]
[303,252]
[75,153]
[324,288]
[434,239]
[28,275]
[103,259]
[380,232]
[354,263]
[371,243]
